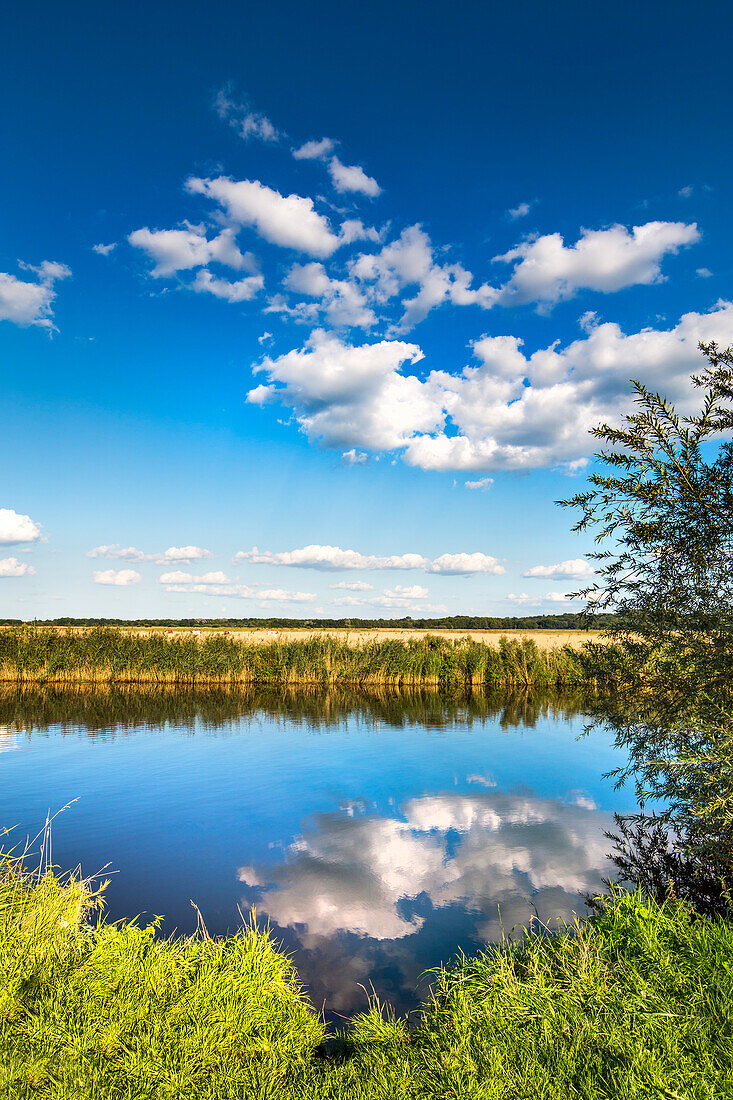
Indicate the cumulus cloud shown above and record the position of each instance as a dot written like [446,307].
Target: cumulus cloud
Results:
[351,177]
[353,586]
[119,577]
[248,123]
[16,527]
[176,576]
[183,554]
[175,250]
[315,150]
[351,396]
[482,485]
[329,558]
[549,597]
[576,568]
[355,458]
[607,260]
[466,563]
[409,261]
[210,584]
[104,249]
[344,177]
[508,410]
[290,221]
[31,302]
[341,302]
[519,211]
[11,567]
[242,290]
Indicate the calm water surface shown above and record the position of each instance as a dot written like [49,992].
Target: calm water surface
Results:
[378,835]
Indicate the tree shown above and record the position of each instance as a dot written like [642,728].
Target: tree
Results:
[663,514]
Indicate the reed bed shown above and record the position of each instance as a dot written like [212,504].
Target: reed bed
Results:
[112,656]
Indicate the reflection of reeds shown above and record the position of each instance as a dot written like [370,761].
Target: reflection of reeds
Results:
[100,707]
[110,656]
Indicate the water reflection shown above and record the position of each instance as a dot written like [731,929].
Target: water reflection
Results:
[102,708]
[379,833]
[353,887]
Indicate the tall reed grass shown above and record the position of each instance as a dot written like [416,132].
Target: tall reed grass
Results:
[112,656]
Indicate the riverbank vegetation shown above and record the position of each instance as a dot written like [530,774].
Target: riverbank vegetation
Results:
[635,1003]
[111,655]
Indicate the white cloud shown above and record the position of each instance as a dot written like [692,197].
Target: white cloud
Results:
[16,527]
[406,592]
[355,458]
[341,302]
[264,338]
[243,290]
[519,211]
[206,586]
[178,577]
[576,568]
[290,221]
[686,192]
[537,601]
[352,396]
[704,272]
[241,117]
[112,550]
[351,177]
[509,411]
[120,577]
[353,586]
[482,485]
[31,303]
[104,249]
[314,150]
[603,259]
[466,563]
[409,261]
[344,177]
[183,249]
[11,567]
[317,556]
[183,554]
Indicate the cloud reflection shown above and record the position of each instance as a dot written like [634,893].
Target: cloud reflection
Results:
[392,895]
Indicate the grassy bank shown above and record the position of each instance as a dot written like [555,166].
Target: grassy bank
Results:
[114,656]
[637,1003]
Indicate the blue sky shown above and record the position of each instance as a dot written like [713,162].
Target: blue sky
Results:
[307,311]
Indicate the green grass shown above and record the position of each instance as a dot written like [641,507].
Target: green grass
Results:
[106,655]
[637,1003]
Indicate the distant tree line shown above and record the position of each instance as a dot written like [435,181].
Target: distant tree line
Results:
[566,621]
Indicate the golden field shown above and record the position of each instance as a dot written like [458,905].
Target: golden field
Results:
[543,639]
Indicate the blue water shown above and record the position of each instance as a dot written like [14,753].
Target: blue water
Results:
[377,841]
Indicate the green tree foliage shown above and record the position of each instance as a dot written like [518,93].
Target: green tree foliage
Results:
[662,509]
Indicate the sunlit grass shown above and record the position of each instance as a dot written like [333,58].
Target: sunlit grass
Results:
[637,1003]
